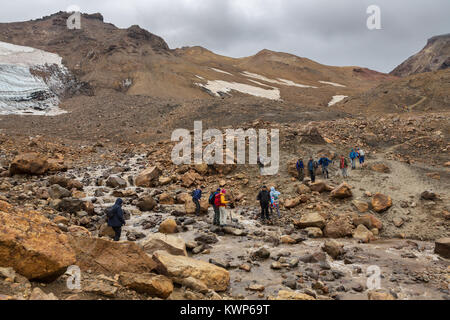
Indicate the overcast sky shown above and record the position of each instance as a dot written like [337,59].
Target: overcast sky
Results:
[331,32]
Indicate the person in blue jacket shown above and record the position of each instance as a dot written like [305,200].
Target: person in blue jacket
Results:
[196,196]
[312,165]
[353,155]
[324,162]
[115,218]
[300,169]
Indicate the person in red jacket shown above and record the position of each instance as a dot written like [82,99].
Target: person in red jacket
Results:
[343,165]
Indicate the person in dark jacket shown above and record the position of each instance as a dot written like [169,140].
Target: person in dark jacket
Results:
[300,169]
[353,155]
[196,196]
[264,201]
[324,162]
[312,165]
[115,218]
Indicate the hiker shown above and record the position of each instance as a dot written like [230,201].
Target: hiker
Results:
[343,166]
[115,218]
[361,156]
[353,155]
[196,196]
[275,200]
[312,166]
[221,203]
[212,197]
[324,162]
[264,200]
[300,170]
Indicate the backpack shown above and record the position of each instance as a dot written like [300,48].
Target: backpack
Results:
[217,200]
[212,197]
[315,165]
[109,213]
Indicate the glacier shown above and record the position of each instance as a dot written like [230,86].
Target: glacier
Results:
[30,81]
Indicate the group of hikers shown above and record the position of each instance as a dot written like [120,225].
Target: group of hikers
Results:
[324,162]
[267,199]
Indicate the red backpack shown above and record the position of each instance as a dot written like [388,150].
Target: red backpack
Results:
[217,201]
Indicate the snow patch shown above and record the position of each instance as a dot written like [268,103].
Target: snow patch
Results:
[220,86]
[333,84]
[27,56]
[221,71]
[283,82]
[336,99]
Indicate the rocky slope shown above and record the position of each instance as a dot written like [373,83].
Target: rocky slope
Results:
[433,57]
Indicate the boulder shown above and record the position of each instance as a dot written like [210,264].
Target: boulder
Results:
[109,257]
[106,231]
[260,254]
[146,203]
[214,277]
[428,195]
[189,206]
[368,220]
[320,186]
[29,163]
[291,203]
[379,295]
[293,295]
[340,226]
[164,242]
[363,234]
[333,248]
[189,178]
[314,232]
[442,247]
[148,177]
[168,226]
[116,182]
[147,283]
[166,198]
[381,202]
[310,219]
[302,189]
[32,245]
[342,191]
[70,205]
[361,206]
[57,192]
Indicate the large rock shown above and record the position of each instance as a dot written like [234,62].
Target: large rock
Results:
[148,177]
[168,226]
[159,241]
[116,182]
[310,219]
[189,178]
[293,295]
[442,247]
[109,257]
[379,295]
[189,206]
[368,220]
[106,231]
[340,226]
[57,192]
[291,203]
[342,191]
[147,283]
[180,267]
[29,163]
[320,186]
[381,202]
[361,206]
[333,248]
[363,234]
[146,203]
[302,189]
[32,245]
